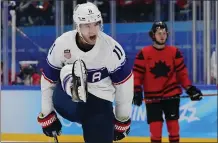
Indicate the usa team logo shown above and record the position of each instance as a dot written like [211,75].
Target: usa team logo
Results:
[67,54]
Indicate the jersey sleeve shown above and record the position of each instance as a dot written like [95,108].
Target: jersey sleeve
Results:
[121,75]
[139,70]
[181,70]
[53,63]
[50,74]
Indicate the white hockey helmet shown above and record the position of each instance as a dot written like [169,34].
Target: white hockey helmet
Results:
[86,13]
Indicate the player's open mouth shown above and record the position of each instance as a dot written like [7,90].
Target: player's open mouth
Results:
[93,37]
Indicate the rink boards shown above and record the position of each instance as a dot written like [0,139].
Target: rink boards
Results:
[20,107]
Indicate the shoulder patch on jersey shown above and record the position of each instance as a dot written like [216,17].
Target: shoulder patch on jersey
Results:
[67,53]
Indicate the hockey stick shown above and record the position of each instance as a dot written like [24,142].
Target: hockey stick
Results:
[177,97]
[55,137]
[34,43]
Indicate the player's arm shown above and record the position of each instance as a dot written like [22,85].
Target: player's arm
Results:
[138,72]
[183,78]
[122,78]
[181,70]
[48,119]
[50,75]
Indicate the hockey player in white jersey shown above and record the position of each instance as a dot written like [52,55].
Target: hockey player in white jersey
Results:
[86,71]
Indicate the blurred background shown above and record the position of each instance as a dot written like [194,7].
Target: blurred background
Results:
[29,27]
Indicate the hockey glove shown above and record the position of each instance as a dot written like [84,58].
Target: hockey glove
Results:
[194,93]
[138,97]
[121,129]
[50,124]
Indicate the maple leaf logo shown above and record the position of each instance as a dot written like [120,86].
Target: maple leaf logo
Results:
[160,69]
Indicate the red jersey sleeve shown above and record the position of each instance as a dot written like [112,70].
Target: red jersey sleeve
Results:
[181,70]
[139,70]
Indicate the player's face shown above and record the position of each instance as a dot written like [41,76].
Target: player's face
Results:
[161,36]
[90,32]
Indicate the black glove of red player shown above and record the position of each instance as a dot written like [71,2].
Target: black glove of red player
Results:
[194,93]
[51,125]
[121,129]
[138,96]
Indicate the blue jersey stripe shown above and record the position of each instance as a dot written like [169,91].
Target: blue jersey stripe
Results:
[119,67]
[95,75]
[58,68]
[66,79]
[51,73]
[121,73]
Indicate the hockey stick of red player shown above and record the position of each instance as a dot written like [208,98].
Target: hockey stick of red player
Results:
[55,137]
[177,97]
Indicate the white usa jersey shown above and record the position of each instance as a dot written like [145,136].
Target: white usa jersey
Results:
[109,73]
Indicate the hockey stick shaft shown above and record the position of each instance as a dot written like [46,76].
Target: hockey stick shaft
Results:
[25,36]
[55,137]
[177,97]
[43,50]
[29,39]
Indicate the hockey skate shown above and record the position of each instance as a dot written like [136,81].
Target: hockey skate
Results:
[79,87]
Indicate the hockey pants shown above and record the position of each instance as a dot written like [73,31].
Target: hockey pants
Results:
[96,115]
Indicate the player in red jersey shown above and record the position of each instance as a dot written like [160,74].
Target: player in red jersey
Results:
[159,71]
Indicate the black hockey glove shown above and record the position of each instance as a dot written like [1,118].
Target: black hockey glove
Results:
[51,125]
[194,93]
[121,129]
[138,96]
